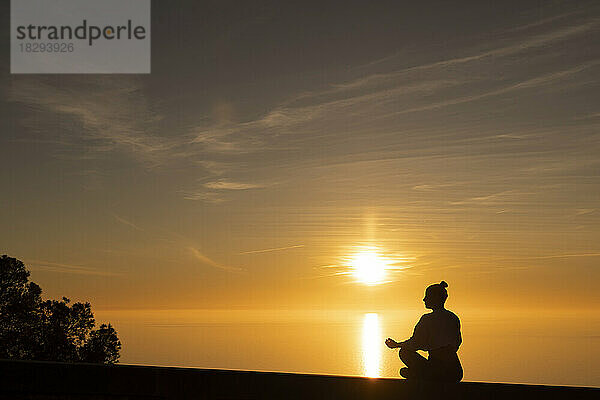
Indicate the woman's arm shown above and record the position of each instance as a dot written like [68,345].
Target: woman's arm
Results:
[392,344]
[416,341]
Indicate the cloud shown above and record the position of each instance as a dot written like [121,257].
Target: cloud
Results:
[526,84]
[520,44]
[215,139]
[337,109]
[212,192]
[114,114]
[567,256]
[584,211]
[494,198]
[128,223]
[431,187]
[273,249]
[227,185]
[545,21]
[215,167]
[209,197]
[207,261]
[372,116]
[68,268]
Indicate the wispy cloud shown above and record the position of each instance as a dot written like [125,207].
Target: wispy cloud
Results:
[273,249]
[585,211]
[228,185]
[207,261]
[212,192]
[546,21]
[566,256]
[68,268]
[113,112]
[506,196]
[526,84]
[334,111]
[519,45]
[373,115]
[128,223]
[209,197]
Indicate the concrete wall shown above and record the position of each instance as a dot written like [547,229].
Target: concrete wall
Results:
[51,380]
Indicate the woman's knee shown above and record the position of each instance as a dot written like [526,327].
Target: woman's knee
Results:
[405,354]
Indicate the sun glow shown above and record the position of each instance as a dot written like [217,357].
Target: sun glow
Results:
[369,267]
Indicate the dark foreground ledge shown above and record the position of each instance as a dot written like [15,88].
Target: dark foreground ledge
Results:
[35,380]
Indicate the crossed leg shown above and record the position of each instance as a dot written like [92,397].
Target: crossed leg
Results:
[418,366]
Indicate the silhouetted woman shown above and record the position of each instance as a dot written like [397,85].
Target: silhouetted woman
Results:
[437,333]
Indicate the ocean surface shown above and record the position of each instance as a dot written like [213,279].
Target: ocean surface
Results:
[528,347]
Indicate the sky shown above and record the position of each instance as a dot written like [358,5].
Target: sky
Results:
[274,144]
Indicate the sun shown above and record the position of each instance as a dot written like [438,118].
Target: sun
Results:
[369,267]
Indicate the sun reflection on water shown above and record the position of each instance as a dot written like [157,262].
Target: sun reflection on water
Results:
[371,345]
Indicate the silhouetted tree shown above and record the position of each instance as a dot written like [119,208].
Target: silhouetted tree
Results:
[19,310]
[32,329]
[102,346]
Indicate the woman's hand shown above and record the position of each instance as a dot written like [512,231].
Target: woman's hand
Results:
[391,343]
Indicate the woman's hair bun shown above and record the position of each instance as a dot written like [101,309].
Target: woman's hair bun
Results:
[443,284]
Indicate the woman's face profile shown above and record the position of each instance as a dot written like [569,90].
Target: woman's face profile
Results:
[427,300]
[431,300]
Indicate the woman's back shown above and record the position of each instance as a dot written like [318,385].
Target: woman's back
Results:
[439,328]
